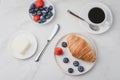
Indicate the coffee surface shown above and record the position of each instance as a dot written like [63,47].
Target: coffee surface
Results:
[96,15]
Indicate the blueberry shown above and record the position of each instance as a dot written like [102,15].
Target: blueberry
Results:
[31,10]
[70,70]
[45,8]
[41,9]
[32,6]
[44,13]
[50,8]
[47,16]
[39,13]
[65,60]
[34,13]
[36,9]
[80,68]
[50,14]
[42,20]
[76,63]
[64,44]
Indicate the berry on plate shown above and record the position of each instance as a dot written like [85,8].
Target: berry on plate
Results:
[58,51]
[39,3]
[80,68]
[64,44]
[70,70]
[36,18]
[66,60]
[76,63]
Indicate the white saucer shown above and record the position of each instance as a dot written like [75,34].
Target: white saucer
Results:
[46,3]
[103,27]
[30,52]
[66,53]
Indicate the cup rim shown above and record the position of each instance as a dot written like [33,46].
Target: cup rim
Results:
[97,24]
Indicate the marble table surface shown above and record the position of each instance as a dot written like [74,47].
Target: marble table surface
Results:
[14,17]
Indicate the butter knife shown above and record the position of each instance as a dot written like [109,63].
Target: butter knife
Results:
[51,36]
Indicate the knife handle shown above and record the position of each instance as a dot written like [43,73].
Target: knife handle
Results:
[41,53]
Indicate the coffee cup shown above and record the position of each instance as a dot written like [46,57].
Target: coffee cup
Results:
[97,16]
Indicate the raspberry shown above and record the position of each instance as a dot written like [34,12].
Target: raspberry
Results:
[58,51]
[36,18]
[39,3]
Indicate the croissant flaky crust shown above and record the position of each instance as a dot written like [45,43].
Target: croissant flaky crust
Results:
[80,49]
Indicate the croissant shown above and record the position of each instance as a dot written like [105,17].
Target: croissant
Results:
[80,49]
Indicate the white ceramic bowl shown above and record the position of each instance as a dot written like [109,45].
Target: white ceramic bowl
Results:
[46,3]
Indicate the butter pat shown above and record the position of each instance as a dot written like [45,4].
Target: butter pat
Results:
[20,44]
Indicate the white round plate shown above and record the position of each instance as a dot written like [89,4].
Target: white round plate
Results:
[66,53]
[33,45]
[104,27]
[46,3]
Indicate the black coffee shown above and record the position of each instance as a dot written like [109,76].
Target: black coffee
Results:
[96,15]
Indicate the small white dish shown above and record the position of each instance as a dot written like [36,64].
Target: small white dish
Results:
[46,3]
[33,45]
[66,53]
[103,27]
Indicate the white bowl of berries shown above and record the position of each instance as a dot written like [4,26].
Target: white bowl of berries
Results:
[42,11]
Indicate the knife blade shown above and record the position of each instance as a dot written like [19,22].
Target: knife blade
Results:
[51,36]
[54,32]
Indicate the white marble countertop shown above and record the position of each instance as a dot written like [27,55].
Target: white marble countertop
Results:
[14,17]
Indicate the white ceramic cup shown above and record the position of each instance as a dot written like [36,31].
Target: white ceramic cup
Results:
[97,24]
